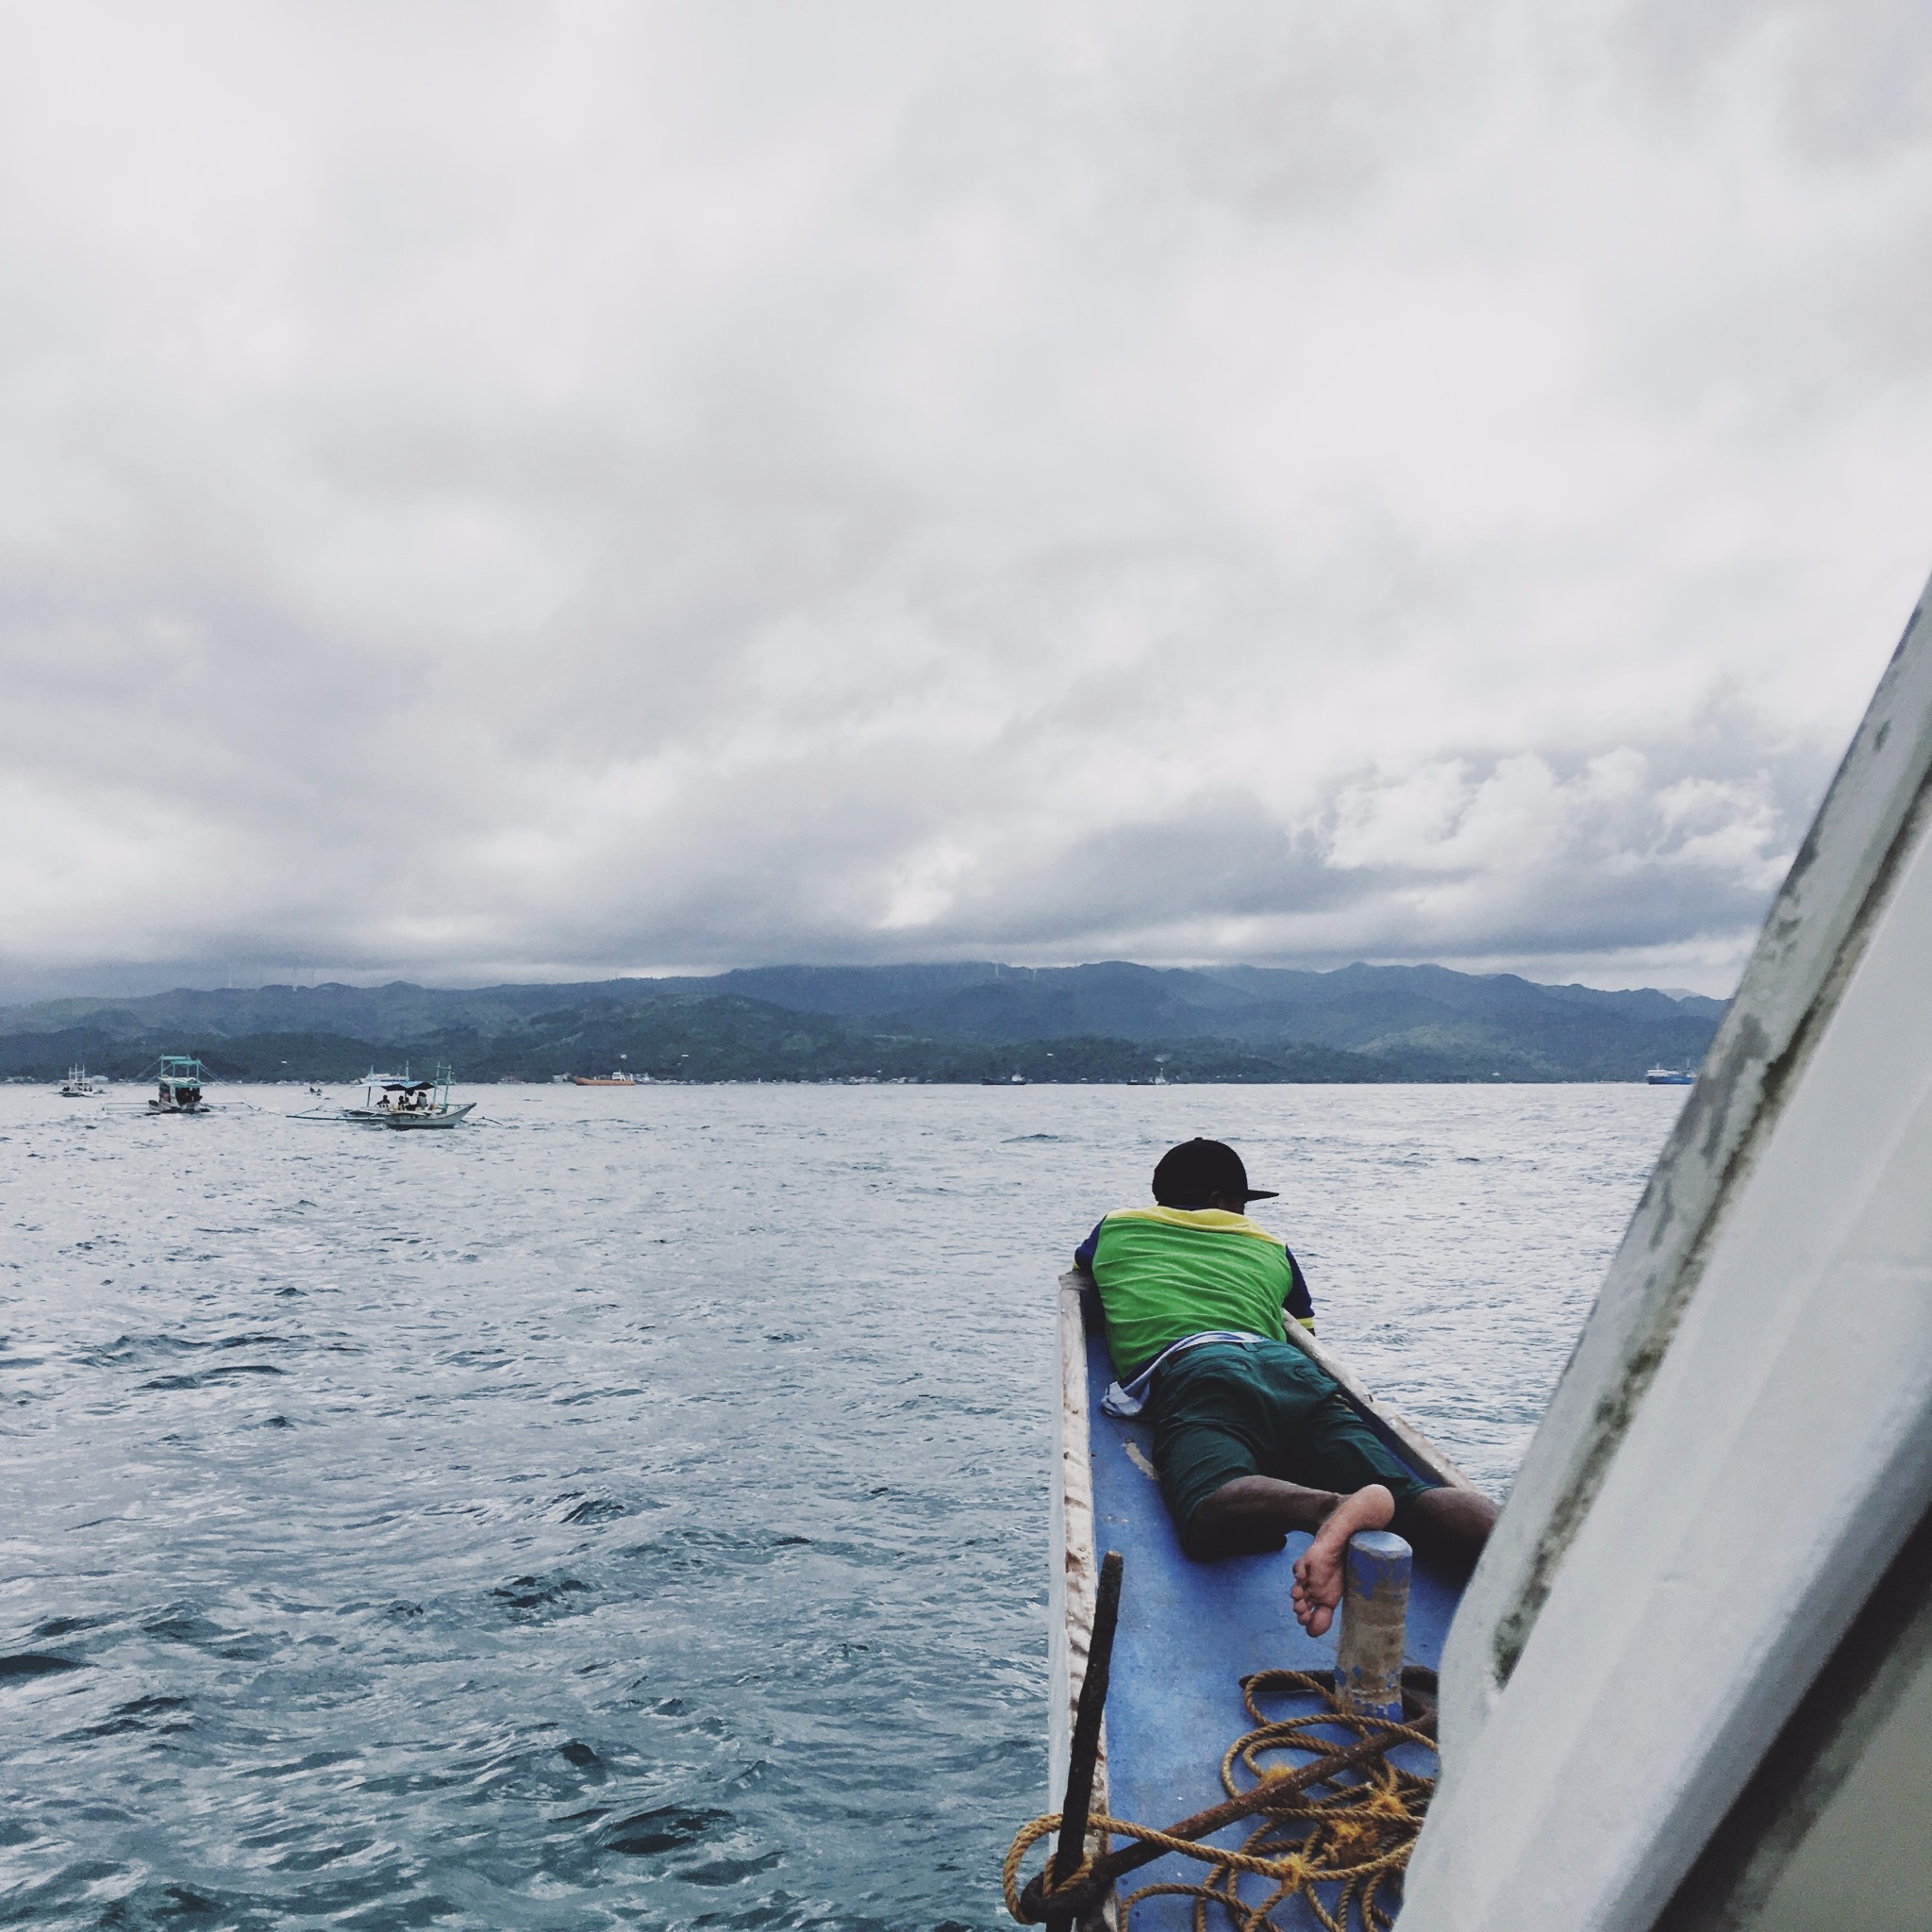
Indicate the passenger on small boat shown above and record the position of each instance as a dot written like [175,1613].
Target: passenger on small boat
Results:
[1252,1437]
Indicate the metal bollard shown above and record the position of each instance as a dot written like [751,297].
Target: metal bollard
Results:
[1375,1621]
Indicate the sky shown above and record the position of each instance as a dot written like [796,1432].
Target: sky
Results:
[499,492]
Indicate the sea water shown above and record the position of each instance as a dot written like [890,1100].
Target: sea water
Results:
[630,1508]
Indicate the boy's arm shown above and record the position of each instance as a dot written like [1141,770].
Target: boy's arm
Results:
[1298,1303]
[1083,1255]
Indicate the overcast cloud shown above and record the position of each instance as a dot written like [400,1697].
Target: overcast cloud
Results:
[511,490]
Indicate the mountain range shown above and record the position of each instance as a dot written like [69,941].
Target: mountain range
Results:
[1112,1020]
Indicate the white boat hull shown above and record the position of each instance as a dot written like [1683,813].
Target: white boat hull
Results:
[448,1117]
[1736,1461]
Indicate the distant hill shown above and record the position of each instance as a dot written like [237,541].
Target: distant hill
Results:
[1112,1020]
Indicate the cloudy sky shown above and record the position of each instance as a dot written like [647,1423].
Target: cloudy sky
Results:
[525,491]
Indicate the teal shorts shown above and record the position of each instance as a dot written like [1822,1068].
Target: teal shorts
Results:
[1221,1411]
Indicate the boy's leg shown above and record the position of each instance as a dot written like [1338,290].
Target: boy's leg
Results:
[1210,1438]
[1250,1514]
[1451,1526]
[1332,1445]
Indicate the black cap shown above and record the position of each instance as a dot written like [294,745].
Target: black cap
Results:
[1186,1175]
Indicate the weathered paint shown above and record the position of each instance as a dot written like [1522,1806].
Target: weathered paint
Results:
[1743,1436]
[1375,1621]
[1075,1578]
[1829,1830]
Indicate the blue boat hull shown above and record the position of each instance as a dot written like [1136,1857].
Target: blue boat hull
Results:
[1189,1632]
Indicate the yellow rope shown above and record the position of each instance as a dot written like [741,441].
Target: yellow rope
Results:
[1356,1835]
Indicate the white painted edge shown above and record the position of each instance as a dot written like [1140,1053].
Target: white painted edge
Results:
[1075,1578]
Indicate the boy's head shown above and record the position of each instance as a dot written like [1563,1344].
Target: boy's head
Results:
[1204,1173]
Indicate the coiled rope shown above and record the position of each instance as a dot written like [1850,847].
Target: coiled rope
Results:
[1345,1822]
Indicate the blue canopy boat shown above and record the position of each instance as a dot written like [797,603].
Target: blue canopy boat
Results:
[1187,1632]
[394,1100]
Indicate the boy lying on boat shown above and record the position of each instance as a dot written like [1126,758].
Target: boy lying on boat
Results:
[1252,1437]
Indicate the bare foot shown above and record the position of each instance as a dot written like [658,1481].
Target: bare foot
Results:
[1318,1570]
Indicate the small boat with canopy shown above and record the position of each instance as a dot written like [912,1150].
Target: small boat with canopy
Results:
[179,1088]
[394,1100]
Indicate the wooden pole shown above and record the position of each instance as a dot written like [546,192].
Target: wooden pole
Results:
[1085,1752]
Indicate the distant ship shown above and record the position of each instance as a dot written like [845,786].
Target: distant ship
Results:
[608,1080]
[80,1085]
[1669,1077]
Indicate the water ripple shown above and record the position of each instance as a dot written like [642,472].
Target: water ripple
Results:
[636,1517]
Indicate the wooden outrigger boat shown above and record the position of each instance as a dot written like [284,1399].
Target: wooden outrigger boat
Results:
[1187,1632]
[1688,1688]
[394,1100]
[178,1089]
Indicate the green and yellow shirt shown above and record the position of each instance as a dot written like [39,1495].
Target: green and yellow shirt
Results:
[1164,1272]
